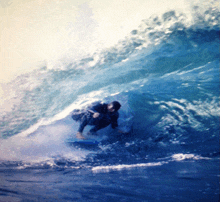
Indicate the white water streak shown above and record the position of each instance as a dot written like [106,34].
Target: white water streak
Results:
[124,166]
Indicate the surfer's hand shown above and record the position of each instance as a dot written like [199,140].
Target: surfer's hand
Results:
[96,115]
[79,136]
[122,132]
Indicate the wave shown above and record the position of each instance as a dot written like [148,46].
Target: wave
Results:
[165,74]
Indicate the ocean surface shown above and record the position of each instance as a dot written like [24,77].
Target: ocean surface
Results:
[166,76]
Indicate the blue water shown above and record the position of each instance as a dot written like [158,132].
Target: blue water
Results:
[166,76]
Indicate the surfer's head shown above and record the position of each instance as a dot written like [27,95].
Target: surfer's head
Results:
[114,106]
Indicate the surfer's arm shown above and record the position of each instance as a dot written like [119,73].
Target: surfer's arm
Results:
[83,124]
[114,120]
[114,123]
[96,110]
[94,114]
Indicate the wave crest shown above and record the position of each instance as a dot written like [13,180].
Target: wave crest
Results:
[165,28]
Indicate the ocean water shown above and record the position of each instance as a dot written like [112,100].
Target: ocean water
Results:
[166,76]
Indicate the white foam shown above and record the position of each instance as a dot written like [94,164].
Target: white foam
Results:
[174,157]
[40,147]
[124,166]
[181,157]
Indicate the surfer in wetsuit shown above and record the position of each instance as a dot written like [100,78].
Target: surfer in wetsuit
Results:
[99,114]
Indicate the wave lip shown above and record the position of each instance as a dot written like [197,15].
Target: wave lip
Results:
[171,27]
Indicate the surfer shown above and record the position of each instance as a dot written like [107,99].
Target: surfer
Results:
[100,115]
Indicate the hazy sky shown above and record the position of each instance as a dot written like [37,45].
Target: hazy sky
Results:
[39,30]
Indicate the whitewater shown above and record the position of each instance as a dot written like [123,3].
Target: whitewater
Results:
[165,73]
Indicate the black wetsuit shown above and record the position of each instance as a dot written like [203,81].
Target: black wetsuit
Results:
[105,118]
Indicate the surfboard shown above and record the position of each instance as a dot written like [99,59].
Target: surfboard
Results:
[83,142]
